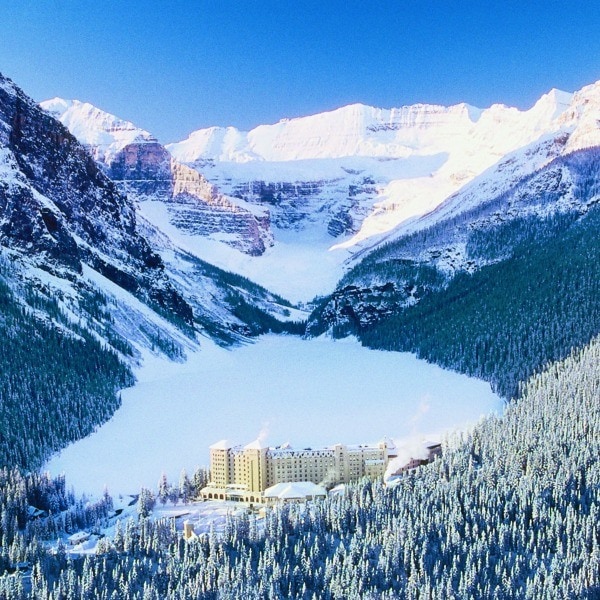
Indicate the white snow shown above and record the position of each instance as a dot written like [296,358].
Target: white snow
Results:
[297,268]
[308,393]
[354,130]
[205,517]
[221,445]
[9,170]
[104,133]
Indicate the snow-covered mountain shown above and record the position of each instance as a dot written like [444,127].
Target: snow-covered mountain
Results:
[575,128]
[413,157]
[312,195]
[359,130]
[69,231]
[368,175]
[60,211]
[103,134]
[145,171]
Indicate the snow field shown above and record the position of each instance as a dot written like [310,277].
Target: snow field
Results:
[308,393]
[315,270]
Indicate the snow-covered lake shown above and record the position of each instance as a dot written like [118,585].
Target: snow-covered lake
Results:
[308,393]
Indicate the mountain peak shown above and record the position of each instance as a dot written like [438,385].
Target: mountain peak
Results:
[553,104]
[57,105]
[96,128]
[7,85]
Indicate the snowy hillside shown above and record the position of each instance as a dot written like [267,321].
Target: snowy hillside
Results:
[439,162]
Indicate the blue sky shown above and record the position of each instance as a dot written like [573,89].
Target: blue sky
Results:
[173,66]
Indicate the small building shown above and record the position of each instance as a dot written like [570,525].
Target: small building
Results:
[78,538]
[294,491]
[431,451]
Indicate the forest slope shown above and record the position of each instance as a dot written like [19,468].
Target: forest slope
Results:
[496,292]
[509,510]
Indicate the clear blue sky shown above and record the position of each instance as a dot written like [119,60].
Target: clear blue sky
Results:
[173,66]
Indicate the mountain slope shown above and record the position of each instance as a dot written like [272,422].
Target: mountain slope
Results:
[143,169]
[58,379]
[60,210]
[496,291]
[92,286]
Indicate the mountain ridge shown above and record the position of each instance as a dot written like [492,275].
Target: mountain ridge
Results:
[352,203]
[358,117]
[144,170]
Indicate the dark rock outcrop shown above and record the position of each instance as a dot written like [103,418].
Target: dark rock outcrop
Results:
[60,209]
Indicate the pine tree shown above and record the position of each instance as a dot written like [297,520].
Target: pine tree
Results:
[163,489]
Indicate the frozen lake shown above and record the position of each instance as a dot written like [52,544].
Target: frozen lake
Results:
[308,393]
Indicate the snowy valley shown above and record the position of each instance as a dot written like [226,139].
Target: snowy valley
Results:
[417,272]
[386,174]
[307,393]
[266,205]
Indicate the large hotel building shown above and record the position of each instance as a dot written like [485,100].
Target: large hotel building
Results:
[245,473]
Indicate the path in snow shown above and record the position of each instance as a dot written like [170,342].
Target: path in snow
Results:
[308,393]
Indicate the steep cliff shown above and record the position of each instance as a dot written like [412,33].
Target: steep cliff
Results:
[143,169]
[59,209]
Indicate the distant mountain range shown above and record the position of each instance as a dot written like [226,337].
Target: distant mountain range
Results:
[333,184]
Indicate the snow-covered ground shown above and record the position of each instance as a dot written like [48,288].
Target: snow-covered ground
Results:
[308,393]
[315,270]
[204,516]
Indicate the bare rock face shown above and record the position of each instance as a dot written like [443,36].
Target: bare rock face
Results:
[146,171]
[143,169]
[199,208]
[336,205]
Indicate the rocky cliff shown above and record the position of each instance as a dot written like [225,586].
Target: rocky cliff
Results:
[143,169]
[77,235]
[59,209]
